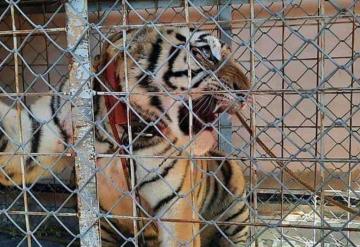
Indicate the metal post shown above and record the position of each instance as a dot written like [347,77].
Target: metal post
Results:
[253,168]
[225,124]
[191,118]
[82,116]
[19,128]
[321,151]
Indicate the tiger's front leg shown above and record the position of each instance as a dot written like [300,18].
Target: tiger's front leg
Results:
[178,227]
[179,233]
[114,197]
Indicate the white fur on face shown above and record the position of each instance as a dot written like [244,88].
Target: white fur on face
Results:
[213,42]
[215,46]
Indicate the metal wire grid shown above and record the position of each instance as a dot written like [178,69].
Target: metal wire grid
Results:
[304,78]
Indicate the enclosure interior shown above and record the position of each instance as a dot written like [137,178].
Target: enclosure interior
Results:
[302,60]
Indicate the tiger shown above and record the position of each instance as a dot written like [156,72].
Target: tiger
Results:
[169,72]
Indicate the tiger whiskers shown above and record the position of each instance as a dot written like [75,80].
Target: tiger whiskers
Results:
[206,101]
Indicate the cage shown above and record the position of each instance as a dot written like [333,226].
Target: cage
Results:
[297,142]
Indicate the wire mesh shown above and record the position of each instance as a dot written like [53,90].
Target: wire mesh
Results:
[301,58]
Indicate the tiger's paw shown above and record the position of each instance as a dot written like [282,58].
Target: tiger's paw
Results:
[203,142]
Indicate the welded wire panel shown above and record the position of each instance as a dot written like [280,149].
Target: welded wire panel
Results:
[298,143]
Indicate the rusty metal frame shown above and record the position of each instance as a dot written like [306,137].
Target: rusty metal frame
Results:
[82,118]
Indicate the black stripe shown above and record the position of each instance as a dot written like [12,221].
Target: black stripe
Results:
[36,133]
[240,94]
[167,199]
[241,236]
[227,172]
[102,140]
[237,229]
[195,72]
[180,73]
[200,187]
[96,100]
[156,102]
[10,175]
[113,237]
[185,73]
[153,61]
[3,145]
[173,54]
[214,192]
[207,191]
[3,139]
[180,37]
[154,55]
[140,144]
[233,216]
[106,229]
[151,238]
[168,147]
[203,36]
[207,187]
[194,51]
[205,47]
[226,176]
[164,173]
[145,82]
[197,84]
[54,105]
[245,220]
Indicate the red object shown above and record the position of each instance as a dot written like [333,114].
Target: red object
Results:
[118,114]
[117,110]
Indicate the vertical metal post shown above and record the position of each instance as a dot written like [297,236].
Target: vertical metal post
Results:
[191,122]
[350,165]
[282,121]
[131,160]
[253,170]
[322,114]
[225,122]
[82,116]
[19,128]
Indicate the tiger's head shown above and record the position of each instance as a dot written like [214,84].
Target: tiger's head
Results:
[174,75]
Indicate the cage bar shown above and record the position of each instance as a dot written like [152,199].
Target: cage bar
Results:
[82,118]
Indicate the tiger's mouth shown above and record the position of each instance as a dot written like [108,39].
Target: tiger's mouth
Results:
[206,110]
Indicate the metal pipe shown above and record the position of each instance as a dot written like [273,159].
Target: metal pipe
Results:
[82,115]
[19,128]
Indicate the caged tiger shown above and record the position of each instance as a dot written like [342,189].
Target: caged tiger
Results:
[157,73]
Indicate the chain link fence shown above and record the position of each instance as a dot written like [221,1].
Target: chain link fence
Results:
[298,143]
